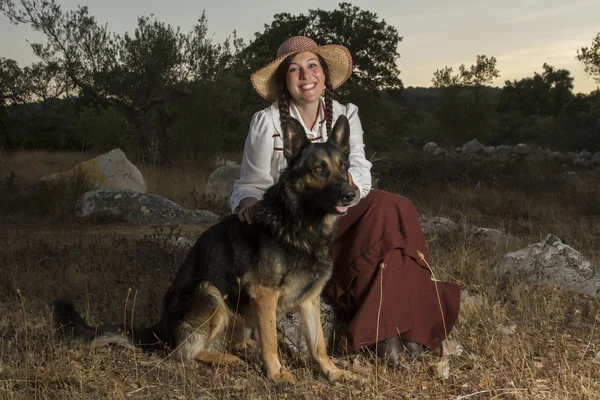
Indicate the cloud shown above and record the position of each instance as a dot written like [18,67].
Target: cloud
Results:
[562,49]
[538,11]
[531,3]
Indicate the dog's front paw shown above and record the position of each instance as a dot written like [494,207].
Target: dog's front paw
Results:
[247,344]
[230,359]
[343,375]
[282,376]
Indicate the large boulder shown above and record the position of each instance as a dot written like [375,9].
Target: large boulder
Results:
[220,182]
[438,226]
[504,149]
[585,155]
[137,208]
[109,171]
[551,262]
[472,147]
[571,180]
[522,149]
[433,149]
[495,237]
[489,150]
[442,227]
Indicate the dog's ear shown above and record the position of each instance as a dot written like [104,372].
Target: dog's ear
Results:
[340,134]
[294,139]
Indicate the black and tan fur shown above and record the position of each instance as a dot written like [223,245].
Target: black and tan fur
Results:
[238,275]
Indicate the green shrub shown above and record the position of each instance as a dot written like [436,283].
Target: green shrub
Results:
[102,129]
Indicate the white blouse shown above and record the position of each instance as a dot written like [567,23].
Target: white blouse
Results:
[263,158]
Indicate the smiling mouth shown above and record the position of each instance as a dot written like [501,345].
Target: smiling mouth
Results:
[308,86]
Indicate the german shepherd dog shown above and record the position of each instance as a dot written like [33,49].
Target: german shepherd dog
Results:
[238,275]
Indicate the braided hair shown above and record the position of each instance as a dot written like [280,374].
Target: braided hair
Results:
[283,95]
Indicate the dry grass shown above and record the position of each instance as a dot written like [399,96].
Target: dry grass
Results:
[525,342]
[183,183]
[177,182]
[30,166]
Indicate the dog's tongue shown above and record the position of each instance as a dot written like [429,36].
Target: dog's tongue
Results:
[341,209]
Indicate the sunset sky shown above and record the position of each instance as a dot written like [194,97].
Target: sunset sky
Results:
[522,35]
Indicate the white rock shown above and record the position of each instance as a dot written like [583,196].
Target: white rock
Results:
[441,226]
[491,236]
[451,348]
[136,208]
[472,147]
[585,155]
[220,182]
[551,262]
[522,149]
[442,369]
[433,149]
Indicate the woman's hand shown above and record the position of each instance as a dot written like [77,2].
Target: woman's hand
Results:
[245,210]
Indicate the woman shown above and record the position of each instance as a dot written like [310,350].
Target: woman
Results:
[379,278]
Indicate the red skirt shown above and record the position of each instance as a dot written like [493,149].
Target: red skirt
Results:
[379,279]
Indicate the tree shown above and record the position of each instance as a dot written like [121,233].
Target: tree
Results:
[544,94]
[13,86]
[482,72]
[580,122]
[12,90]
[37,83]
[590,57]
[465,110]
[46,81]
[371,41]
[139,74]
[539,109]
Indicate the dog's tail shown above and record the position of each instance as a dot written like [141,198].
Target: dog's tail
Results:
[69,324]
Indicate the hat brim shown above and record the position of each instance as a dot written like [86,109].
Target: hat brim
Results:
[337,57]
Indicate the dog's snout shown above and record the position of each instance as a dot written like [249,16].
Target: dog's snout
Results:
[347,195]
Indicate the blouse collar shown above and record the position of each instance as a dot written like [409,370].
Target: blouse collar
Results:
[296,114]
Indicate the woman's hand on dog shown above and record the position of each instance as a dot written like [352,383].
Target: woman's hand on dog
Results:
[245,210]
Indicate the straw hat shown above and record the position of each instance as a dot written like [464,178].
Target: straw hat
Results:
[337,57]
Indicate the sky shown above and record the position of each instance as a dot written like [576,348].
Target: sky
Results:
[522,35]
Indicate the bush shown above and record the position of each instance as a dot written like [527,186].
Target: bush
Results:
[53,200]
[102,129]
[215,119]
[48,125]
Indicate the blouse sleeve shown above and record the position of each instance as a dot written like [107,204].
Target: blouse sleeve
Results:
[255,171]
[360,167]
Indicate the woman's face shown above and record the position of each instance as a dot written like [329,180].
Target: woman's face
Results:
[305,79]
